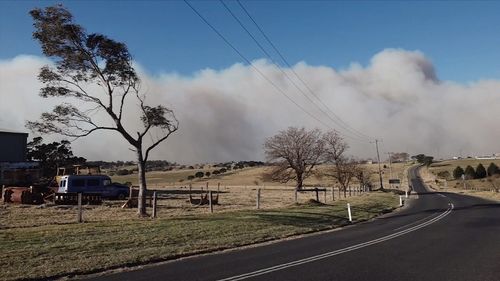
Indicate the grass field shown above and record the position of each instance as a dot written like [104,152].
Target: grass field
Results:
[49,244]
[253,177]
[477,187]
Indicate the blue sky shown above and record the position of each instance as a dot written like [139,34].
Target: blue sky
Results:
[461,38]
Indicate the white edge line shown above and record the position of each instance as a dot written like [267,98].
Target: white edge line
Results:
[340,251]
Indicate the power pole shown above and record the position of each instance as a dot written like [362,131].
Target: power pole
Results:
[390,164]
[379,168]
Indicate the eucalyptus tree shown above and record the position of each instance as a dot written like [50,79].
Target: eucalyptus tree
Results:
[95,76]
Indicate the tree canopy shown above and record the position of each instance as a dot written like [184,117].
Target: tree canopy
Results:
[96,77]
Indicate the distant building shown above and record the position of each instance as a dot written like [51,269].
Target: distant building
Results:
[486,157]
[13,146]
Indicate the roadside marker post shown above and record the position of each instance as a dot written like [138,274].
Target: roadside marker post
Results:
[400,201]
[406,193]
[349,211]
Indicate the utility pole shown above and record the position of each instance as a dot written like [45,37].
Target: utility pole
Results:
[379,168]
[390,164]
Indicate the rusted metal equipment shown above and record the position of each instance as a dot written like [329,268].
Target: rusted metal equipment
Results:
[22,195]
[72,198]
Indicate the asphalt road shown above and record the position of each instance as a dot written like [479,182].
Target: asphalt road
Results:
[439,236]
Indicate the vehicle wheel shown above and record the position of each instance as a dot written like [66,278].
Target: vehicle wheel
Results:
[122,196]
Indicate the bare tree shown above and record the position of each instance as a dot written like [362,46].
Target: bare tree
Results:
[343,168]
[294,153]
[86,62]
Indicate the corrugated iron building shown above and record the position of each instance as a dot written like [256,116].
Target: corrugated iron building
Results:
[13,146]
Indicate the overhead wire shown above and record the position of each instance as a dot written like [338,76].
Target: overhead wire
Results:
[345,125]
[253,67]
[354,135]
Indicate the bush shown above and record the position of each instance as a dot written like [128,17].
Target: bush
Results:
[199,174]
[216,172]
[190,177]
[207,174]
[123,172]
[223,170]
[444,174]
[493,169]
[480,171]
[470,173]
[458,172]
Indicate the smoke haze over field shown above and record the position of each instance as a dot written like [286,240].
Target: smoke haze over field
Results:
[226,114]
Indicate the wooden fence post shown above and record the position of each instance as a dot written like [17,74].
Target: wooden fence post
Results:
[296,196]
[333,193]
[325,195]
[317,194]
[339,193]
[154,205]
[80,212]
[350,189]
[258,198]
[210,201]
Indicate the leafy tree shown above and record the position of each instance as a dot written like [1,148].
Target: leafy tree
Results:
[493,169]
[199,174]
[294,153]
[470,173]
[419,157]
[52,155]
[95,73]
[458,172]
[427,161]
[207,174]
[480,171]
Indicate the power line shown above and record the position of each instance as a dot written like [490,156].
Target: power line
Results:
[345,124]
[250,63]
[360,138]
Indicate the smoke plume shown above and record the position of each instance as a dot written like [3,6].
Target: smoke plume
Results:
[227,114]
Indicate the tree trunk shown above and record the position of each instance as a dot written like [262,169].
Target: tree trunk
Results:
[141,201]
[300,182]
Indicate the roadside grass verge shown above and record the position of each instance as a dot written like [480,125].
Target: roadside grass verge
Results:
[50,251]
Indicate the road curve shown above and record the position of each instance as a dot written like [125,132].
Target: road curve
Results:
[439,236]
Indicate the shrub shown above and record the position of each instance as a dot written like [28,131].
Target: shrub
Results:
[480,171]
[470,173]
[444,174]
[458,172]
[190,177]
[123,172]
[493,169]
[207,174]
[199,174]
[223,170]
[216,172]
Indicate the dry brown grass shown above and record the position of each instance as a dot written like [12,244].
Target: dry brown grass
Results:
[479,187]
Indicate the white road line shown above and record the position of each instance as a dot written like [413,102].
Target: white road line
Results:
[340,251]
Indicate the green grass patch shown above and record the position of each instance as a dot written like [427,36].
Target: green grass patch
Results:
[59,250]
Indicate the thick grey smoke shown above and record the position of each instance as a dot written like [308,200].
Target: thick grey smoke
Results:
[227,114]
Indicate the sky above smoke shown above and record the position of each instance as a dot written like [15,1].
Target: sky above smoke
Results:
[227,114]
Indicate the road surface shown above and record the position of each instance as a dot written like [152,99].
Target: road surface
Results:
[439,236]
